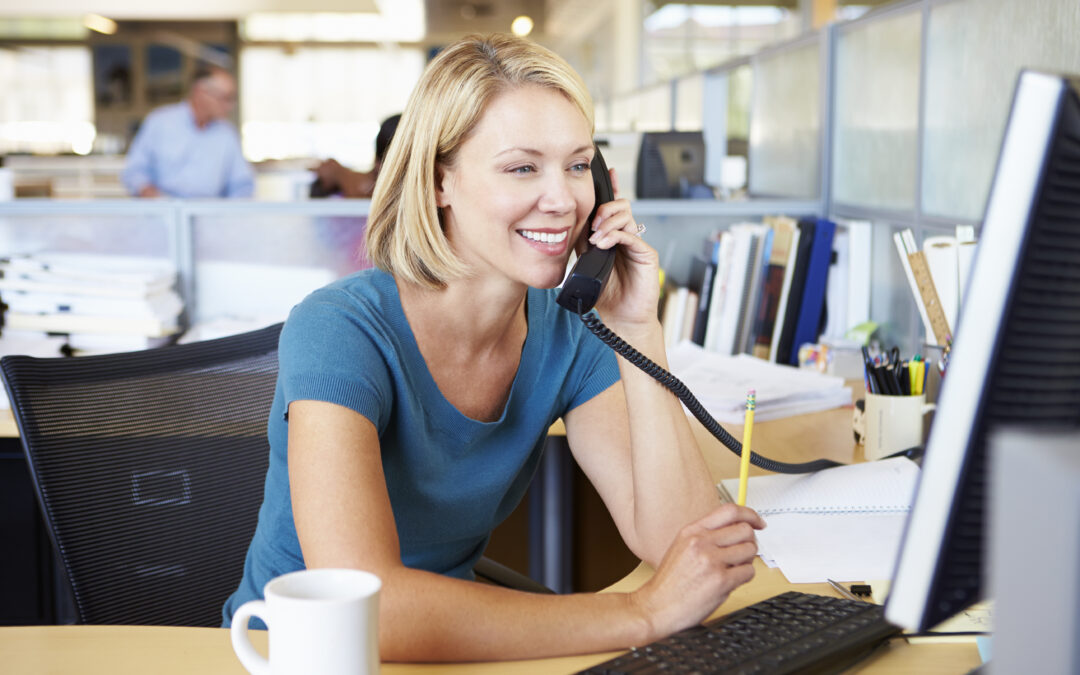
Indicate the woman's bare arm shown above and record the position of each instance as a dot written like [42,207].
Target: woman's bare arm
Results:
[343,519]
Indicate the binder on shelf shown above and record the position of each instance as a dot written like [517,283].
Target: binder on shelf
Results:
[701,281]
[808,325]
[723,254]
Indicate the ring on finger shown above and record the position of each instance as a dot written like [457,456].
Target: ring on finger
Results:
[640,229]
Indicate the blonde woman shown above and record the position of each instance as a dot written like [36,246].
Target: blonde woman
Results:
[413,399]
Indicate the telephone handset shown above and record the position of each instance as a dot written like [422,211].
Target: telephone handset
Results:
[581,289]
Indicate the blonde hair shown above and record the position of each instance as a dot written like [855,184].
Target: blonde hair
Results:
[404,232]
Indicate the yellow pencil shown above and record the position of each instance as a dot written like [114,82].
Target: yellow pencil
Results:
[744,459]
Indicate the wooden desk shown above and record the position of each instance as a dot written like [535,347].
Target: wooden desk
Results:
[140,649]
[118,650]
[7,424]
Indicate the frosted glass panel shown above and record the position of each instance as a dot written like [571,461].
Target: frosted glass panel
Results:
[257,266]
[975,49]
[689,103]
[654,109]
[785,123]
[120,233]
[877,113]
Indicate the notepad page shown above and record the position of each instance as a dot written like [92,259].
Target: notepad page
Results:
[884,486]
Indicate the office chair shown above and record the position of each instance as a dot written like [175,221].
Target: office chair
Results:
[149,468]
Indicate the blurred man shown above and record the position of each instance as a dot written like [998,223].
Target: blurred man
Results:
[189,149]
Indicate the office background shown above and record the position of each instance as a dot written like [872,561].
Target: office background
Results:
[887,112]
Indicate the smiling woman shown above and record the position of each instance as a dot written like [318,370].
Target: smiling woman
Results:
[413,399]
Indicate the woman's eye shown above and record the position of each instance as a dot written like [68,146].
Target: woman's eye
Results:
[580,168]
[522,169]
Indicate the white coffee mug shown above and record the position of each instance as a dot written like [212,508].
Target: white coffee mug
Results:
[893,423]
[320,621]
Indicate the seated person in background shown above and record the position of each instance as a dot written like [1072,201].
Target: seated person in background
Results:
[413,399]
[332,178]
[189,149]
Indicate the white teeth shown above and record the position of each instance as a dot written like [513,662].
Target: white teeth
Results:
[544,237]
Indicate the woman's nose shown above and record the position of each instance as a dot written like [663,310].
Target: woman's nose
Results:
[558,197]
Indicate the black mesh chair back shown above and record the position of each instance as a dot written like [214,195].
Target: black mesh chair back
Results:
[149,467]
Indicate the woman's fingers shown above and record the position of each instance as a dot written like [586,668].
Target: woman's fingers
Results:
[727,514]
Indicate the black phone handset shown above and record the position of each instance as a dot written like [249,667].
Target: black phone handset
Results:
[581,289]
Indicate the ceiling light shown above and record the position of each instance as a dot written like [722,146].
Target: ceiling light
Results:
[99,23]
[522,26]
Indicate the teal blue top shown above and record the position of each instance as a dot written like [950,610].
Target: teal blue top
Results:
[451,479]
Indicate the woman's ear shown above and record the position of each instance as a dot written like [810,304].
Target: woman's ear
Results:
[442,198]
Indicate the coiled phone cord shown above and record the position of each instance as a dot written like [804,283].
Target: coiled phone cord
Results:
[676,386]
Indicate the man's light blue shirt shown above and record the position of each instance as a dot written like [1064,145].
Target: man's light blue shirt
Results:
[180,159]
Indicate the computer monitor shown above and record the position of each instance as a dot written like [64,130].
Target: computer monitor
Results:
[671,165]
[1016,354]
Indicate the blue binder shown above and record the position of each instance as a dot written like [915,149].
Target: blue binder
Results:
[808,325]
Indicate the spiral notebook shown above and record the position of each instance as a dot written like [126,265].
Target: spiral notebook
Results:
[842,523]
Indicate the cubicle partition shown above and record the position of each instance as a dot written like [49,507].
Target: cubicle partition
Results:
[894,119]
[238,261]
[255,260]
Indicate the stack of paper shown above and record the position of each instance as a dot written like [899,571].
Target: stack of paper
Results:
[843,523]
[101,302]
[720,383]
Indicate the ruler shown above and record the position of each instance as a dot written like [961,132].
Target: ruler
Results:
[925,283]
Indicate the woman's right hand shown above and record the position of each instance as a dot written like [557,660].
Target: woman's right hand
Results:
[707,560]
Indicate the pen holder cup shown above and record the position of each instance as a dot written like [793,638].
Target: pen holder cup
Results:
[890,424]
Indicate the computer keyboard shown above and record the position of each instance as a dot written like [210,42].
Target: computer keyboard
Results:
[789,633]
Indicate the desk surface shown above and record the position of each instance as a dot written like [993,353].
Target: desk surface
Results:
[140,649]
[118,650]
[7,424]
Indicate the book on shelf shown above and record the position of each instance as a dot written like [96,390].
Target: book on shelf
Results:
[689,315]
[736,274]
[674,313]
[755,276]
[788,315]
[777,271]
[723,253]
[847,293]
[701,282]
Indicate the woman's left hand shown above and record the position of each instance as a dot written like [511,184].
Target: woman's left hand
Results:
[632,293]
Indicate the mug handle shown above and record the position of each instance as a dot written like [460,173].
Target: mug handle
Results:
[253,661]
[929,407]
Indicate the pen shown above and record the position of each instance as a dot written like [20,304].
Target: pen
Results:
[744,460]
[843,591]
[868,364]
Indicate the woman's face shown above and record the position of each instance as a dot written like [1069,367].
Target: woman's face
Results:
[520,189]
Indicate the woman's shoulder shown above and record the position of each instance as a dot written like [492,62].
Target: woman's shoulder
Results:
[366,298]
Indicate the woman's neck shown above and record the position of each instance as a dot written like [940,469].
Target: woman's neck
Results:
[478,315]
